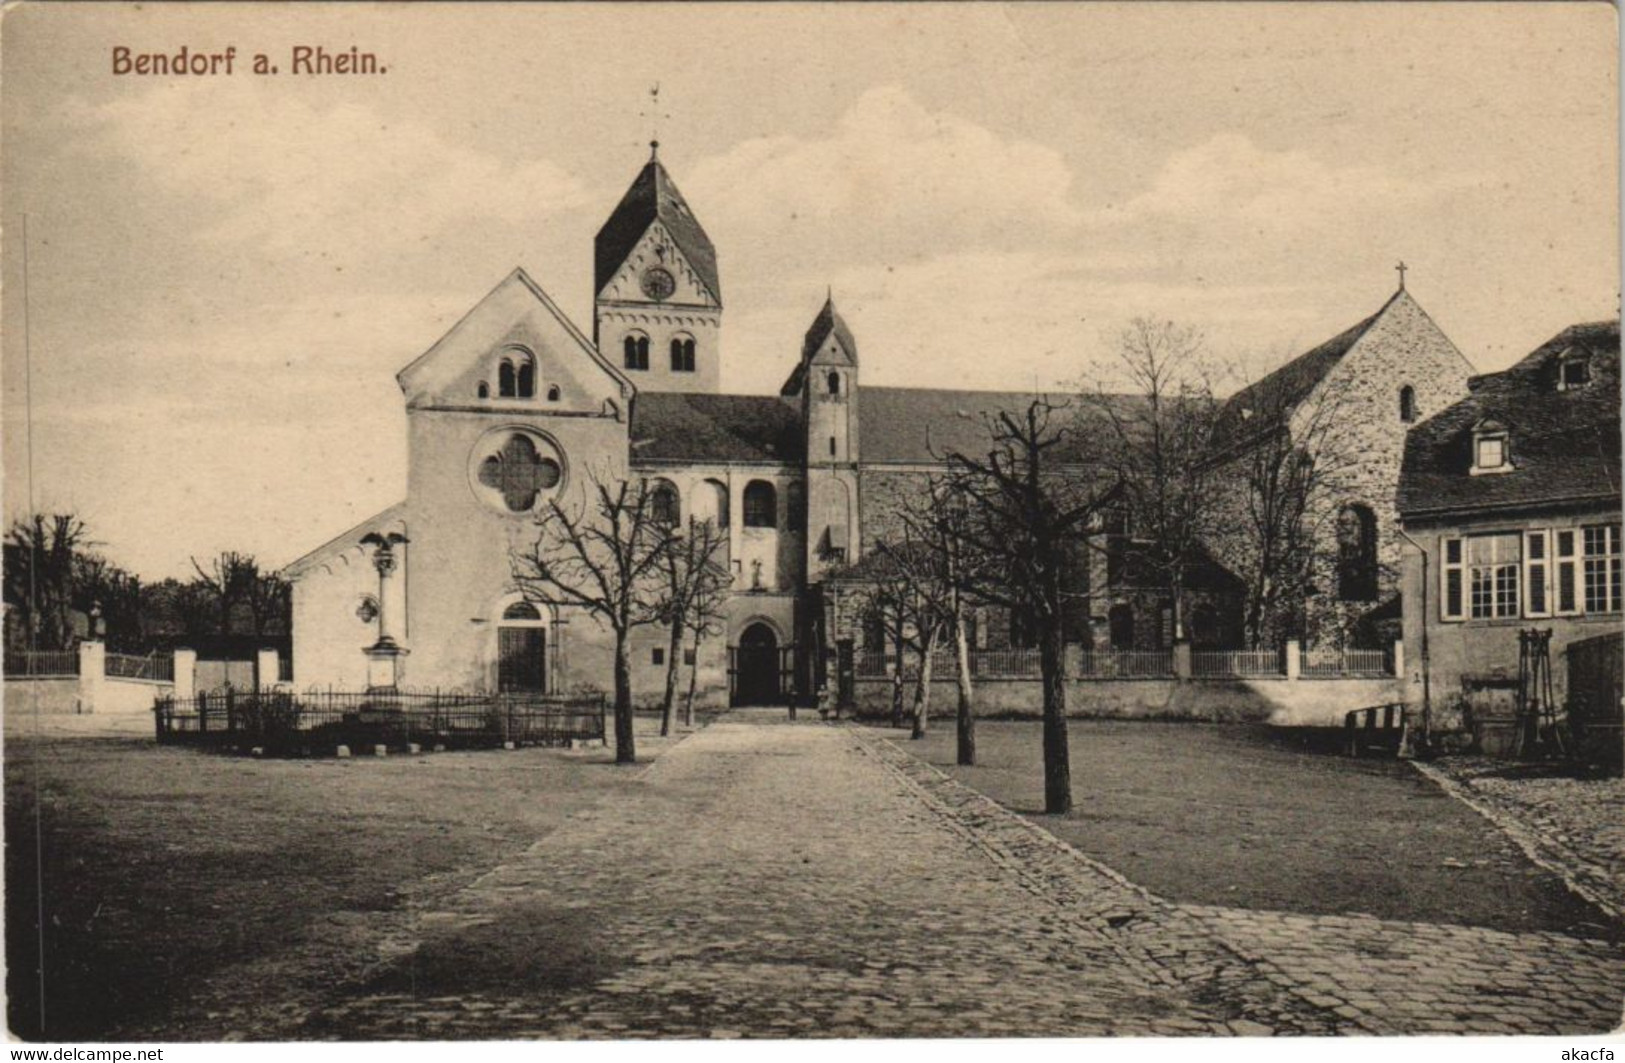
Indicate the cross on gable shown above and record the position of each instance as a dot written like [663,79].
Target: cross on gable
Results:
[519,473]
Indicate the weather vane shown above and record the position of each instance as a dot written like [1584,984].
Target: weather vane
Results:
[654,114]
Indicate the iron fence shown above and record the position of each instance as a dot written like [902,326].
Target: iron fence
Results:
[160,667]
[284,721]
[1127,664]
[1338,664]
[1236,663]
[41,663]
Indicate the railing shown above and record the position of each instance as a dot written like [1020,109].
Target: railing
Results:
[159,667]
[1126,664]
[984,664]
[1328,664]
[1237,663]
[282,720]
[42,663]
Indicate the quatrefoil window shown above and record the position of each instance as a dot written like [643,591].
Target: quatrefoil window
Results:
[519,472]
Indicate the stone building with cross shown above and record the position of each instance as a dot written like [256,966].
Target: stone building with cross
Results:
[516,405]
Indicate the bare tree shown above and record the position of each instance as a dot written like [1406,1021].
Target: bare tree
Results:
[1030,499]
[918,592]
[603,556]
[702,621]
[40,554]
[1162,434]
[1282,459]
[695,575]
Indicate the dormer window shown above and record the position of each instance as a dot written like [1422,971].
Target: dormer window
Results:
[1492,450]
[1573,370]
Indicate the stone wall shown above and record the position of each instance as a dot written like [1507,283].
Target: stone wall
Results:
[1283,702]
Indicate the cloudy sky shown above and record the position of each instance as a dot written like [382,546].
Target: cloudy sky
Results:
[225,273]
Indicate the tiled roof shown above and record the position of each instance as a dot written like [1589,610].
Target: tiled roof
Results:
[1565,445]
[827,321]
[922,425]
[653,196]
[1282,390]
[682,426]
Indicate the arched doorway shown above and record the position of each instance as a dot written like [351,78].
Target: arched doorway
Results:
[522,650]
[756,667]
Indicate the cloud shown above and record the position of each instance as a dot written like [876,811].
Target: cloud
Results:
[891,181]
[1229,179]
[281,174]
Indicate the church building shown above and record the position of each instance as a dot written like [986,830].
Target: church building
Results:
[517,405]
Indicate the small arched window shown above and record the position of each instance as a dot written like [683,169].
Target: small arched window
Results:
[506,381]
[682,354]
[663,505]
[834,383]
[527,376]
[636,347]
[1356,554]
[521,611]
[1407,404]
[761,505]
[552,393]
[484,390]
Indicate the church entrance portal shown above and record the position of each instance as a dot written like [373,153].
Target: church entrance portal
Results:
[521,651]
[756,667]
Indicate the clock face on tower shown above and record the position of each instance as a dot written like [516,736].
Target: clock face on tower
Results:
[658,284]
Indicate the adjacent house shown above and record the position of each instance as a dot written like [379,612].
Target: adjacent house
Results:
[1510,503]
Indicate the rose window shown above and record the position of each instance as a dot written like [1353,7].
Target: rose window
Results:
[519,472]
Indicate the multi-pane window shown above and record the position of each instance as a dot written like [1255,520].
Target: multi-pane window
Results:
[1601,568]
[761,505]
[1492,576]
[682,354]
[1537,573]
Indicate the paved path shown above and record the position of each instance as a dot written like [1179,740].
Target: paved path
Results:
[805,880]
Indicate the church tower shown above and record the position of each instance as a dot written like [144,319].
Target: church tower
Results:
[826,380]
[657,309]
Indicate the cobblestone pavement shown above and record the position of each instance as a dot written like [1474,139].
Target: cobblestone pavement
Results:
[1575,827]
[804,880]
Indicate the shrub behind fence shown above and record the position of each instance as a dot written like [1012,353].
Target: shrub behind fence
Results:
[283,721]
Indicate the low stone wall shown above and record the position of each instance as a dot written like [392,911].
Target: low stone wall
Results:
[119,696]
[54,695]
[1285,702]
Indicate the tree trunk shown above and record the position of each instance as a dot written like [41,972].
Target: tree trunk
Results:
[693,680]
[1057,760]
[897,686]
[966,718]
[625,753]
[922,685]
[674,654]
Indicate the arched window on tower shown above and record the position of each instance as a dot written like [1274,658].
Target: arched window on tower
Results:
[834,383]
[1356,554]
[636,347]
[1407,404]
[682,354]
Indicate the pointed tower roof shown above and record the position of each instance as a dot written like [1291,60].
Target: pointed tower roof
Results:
[654,197]
[828,321]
